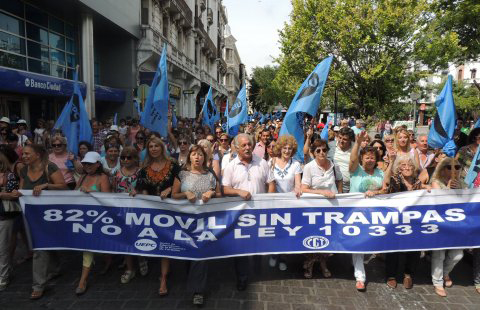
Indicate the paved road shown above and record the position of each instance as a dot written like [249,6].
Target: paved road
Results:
[269,288]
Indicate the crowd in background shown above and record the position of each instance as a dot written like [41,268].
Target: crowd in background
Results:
[196,163]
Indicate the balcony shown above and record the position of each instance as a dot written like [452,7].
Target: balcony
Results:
[208,43]
[210,16]
[181,7]
[202,5]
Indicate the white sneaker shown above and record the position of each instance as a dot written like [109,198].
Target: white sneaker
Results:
[272,261]
[282,266]
[127,276]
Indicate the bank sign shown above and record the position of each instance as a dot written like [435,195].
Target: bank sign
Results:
[30,83]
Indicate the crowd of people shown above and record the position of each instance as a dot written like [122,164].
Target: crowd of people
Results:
[194,163]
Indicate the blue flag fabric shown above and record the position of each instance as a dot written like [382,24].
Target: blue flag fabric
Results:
[443,125]
[474,169]
[225,114]
[306,100]
[155,114]
[324,133]
[263,118]
[174,120]
[74,121]
[238,114]
[278,115]
[477,124]
[210,113]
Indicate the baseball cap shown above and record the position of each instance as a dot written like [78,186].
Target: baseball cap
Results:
[336,128]
[114,128]
[22,121]
[5,120]
[91,157]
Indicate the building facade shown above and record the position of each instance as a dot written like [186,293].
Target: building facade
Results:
[43,41]
[235,76]
[194,33]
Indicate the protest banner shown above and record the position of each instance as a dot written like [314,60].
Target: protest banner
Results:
[267,224]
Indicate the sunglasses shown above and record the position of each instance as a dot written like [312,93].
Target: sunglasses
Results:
[321,150]
[377,147]
[218,132]
[140,138]
[224,140]
[183,142]
[389,140]
[211,140]
[457,167]
[125,157]
[57,145]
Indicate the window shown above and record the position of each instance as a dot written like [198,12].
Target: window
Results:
[36,16]
[70,46]
[58,71]
[11,24]
[57,57]
[36,33]
[12,61]
[56,25]
[473,73]
[11,43]
[39,66]
[38,51]
[57,41]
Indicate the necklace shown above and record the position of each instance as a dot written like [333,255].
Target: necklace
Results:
[282,173]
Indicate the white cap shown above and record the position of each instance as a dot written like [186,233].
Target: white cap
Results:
[22,121]
[114,128]
[5,120]
[91,157]
[336,128]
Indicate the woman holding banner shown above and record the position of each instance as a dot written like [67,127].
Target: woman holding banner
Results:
[196,182]
[446,176]
[156,178]
[59,157]
[321,177]
[366,178]
[37,175]
[94,180]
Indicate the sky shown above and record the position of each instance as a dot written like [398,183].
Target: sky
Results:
[255,25]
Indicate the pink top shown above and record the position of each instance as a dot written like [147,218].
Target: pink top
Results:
[60,162]
[259,150]
[252,177]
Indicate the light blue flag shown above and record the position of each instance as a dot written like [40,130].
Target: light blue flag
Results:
[263,118]
[155,114]
[473,170]
[324,133]
[210,113]
[115,119]
[238,114]
[443,125]
[225,114]
[73,120]
[477,124]
[306,100]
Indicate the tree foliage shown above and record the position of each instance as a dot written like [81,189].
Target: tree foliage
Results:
[375,43]
[263,94]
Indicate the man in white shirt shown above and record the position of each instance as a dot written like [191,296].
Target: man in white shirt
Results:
[245,176]
[341,154]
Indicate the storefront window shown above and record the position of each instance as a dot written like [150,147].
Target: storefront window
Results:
[12,43]
[36,33]
[46,46]
[11,24]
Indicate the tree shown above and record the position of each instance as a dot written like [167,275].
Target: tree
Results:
[376,44]
[263,94]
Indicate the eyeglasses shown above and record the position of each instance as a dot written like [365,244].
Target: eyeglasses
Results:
[125,157]
[457,167]
[224,140]
[323,150]
[57,145]
[389,140]
[183,142]
[140,138]
[218,132]
[211,140]
[377,147]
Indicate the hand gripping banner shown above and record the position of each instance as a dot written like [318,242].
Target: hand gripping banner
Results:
[269,223]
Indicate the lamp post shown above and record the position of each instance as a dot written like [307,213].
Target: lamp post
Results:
[414,97]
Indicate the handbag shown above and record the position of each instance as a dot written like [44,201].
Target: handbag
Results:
[8,206]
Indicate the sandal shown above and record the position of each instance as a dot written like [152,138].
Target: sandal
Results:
[127,276]
[392,283]
[360,286]
[143,266]
[36,295]
[163,292]
[448,282]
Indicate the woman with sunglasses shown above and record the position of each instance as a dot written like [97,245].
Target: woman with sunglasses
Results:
[111,161]
[446,176]
[59,157]
[94,180]
[427,173]
[125,181]
[381,149]
[196,182]
[465,154]
[39,174]
[224,146]
[366,178]
[321,177]
[156,178]
[183,147]
[140,140]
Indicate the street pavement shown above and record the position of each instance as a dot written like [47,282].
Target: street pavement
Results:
[269,288]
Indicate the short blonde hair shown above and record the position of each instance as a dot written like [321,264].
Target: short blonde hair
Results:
[285,140]
[405,132]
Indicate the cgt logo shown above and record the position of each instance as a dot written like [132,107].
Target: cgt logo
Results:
[315,242]
[145,245]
